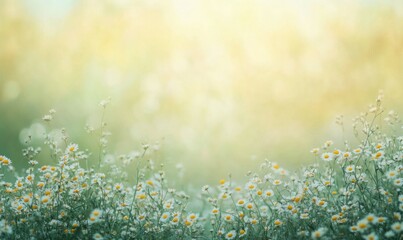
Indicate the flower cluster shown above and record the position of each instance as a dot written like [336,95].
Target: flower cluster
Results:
[348,192]
[70,202]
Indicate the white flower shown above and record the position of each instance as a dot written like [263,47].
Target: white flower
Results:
[371,236]
[243,232]
[346,155]
[391,174]
[240,202]
[250,186]
[269,193]
[141,217]
[169,204]
[389,234]
[318,233]
[165,217]
[371,218]
[193,217]
[97,236]
[398,182]
[4,160]
[215,211]
[96,213]
[230,235]
[228,217]
[118,187]
[45,200]
[362,225]
[397,227]
[71,148]
[350,168]
[327,156]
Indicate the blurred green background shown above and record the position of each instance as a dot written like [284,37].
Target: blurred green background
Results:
[220,84]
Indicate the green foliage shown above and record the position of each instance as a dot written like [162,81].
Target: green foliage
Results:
[347,193]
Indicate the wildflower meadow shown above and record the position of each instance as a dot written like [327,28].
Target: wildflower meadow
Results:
[220,120]
[348,192]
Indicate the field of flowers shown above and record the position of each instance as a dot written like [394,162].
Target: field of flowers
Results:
[349,192]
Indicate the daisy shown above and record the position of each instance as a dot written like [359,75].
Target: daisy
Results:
[250,186]
[322,203]
[72,148]
[97,236]
[96,213]
[318,233]
[379,146]
[269,193]
[398,182]
[215,211]
[230,234]
[150,183]
[397,227]
[278,222]
[346,155]
[253,221]
[243,232]
[164,217]
[315,151]
[336,152]
[4,160]
[371,218]
[192,217]
[27,199]
[353,229]
[45,200]
[169,204]
[362,225]
[371,236]
[118,187]
[228,217]
[275,167]
[350,168]
[381,220]
[378,155]
[223,195]
[391,174]
[240,202]
[327,157]
[175,220]
[249,206]
[141,217]
[188,223]
[357,150]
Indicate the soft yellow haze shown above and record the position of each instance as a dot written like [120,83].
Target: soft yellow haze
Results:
[222,85]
